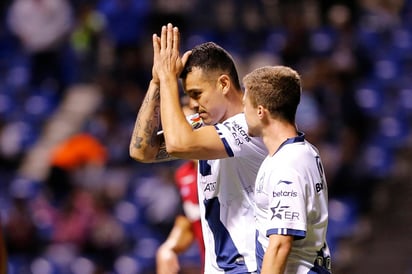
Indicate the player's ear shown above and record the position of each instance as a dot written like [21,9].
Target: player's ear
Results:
[223,83]
[260,111]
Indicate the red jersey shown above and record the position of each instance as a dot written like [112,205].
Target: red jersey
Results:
[186,180]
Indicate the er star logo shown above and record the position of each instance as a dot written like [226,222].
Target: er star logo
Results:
[277,211]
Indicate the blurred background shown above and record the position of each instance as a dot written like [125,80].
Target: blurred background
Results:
[73,74]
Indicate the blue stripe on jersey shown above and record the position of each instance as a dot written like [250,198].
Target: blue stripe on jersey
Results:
[298,234]
[204,168]
[229,151]
[299,138]
[259,253]
[228,257]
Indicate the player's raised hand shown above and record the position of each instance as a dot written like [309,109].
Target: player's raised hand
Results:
[167,61]
[167,261]
[155,76]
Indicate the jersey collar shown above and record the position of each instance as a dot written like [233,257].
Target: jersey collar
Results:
[299,138]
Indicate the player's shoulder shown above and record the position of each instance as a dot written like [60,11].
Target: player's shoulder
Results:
[237,118]
[235,123]
[293,155]
[234,131]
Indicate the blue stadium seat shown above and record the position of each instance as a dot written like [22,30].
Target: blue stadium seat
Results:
[322,41]
[7,106]
[42,265]
[343,216]
[405,100]
[367,39]
[82,265]
[276,40]
[377,158]
[127,264]
[21,135]
[370,98]
[393,129]
[128,214]
[40,105]
[401,40]
[386,69]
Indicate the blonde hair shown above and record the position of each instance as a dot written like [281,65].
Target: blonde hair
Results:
[276,88]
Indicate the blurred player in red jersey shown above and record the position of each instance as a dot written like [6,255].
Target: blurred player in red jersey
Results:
[3,253]
[187,227]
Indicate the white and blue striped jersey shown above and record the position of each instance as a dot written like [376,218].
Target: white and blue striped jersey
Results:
[226,200]
[291,199]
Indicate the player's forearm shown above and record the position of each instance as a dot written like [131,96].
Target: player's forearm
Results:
[181,236]
[145,144]
[177,131]
[273,264]
[275,258]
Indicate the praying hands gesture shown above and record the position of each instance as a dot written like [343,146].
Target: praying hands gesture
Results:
[166,60]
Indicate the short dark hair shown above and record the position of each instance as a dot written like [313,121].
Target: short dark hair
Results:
[211,57]
[276,88]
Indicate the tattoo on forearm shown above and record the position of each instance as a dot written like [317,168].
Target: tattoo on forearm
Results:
[151,126]
[162,153]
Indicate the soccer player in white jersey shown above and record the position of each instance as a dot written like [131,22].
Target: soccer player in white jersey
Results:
[291,203]
[228,158]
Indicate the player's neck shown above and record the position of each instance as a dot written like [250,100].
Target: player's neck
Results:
[235,105]
[276,133]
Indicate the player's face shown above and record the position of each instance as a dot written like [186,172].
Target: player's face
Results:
[251,116]
[206,98]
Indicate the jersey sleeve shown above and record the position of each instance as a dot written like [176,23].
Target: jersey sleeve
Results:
[234,135]
[287,203]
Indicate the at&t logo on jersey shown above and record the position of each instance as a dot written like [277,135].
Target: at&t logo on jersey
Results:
[210,187]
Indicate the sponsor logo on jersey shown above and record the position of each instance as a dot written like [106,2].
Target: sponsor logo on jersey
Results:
[319,187]
[238,132]
[210,187]
[241,131]
[282,212]
[283,193]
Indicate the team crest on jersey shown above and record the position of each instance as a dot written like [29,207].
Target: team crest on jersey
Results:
[259,186]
